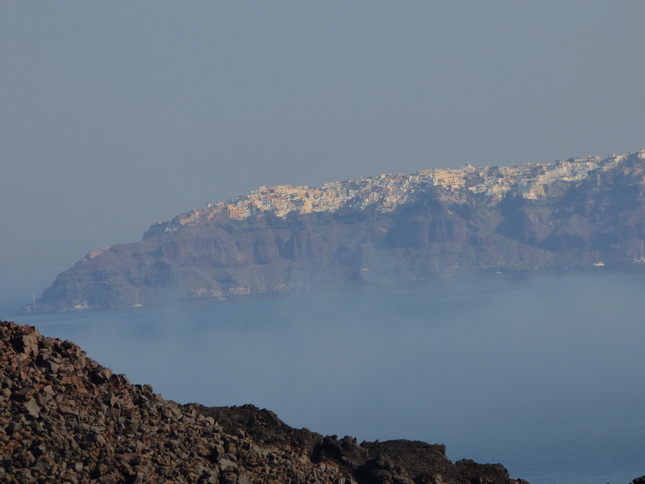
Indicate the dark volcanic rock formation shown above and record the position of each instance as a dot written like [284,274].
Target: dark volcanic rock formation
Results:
[65,418]
[574,213]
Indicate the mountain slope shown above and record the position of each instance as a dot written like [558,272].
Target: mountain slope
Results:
[65,418]
[573,213]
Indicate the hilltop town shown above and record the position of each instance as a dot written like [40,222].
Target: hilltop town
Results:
[582,213]
[386,192]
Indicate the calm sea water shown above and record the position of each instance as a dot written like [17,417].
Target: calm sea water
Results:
[545,375]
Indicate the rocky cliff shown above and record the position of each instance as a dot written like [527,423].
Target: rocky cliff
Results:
[65,418]
[584,212]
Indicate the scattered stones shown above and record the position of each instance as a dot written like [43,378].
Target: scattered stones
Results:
[65,418]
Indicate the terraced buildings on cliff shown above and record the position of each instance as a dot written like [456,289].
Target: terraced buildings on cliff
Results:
[583,212]
[387,192]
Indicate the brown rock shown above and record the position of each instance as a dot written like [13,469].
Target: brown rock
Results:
[73,421]
[32,408]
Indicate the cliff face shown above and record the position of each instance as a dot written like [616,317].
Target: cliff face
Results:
[575,213]
[65,418]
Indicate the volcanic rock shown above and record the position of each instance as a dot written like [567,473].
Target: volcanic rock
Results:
[81,423]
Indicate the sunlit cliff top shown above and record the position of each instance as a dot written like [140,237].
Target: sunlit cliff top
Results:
[386,192]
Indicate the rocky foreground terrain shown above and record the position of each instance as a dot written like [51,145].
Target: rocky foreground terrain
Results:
[66,419]
[579,213]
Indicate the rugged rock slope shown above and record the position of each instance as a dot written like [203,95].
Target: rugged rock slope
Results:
[575,213]
[66,419]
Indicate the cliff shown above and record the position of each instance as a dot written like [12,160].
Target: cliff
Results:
[65,418]
[584,212]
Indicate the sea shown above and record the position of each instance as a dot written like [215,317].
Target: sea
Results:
[544,374]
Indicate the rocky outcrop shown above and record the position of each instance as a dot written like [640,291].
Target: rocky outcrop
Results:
[401,461]
[585,213]
[65,418]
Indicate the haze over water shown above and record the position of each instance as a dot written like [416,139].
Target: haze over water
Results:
[543,374]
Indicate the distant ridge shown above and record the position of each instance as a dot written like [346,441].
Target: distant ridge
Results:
[585,212]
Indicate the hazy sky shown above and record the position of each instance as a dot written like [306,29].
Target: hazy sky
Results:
[115,115]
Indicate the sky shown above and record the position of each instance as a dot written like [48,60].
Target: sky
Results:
[116,115]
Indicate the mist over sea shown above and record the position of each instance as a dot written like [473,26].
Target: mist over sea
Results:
[543,374]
